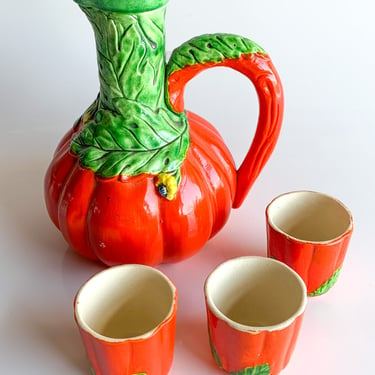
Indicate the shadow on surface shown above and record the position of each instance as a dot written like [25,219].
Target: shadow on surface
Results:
[63,338]
[76,270]
[192,337]
[22,200]
[41,334]
[38,315]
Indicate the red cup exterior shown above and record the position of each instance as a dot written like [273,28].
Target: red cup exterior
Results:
[151,353]
[255,307]
[266,351]
[318,263]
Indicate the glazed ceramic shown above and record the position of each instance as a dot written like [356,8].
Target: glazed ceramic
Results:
[310,232]
[138,179]
[126,316]
[255,307]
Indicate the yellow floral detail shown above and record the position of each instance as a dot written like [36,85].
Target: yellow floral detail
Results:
[166,185]
[87,116]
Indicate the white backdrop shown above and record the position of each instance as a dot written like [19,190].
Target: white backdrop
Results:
[324,53]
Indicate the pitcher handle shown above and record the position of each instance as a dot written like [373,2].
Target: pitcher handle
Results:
[246,57]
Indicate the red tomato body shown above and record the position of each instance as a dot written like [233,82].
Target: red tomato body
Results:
[125,220]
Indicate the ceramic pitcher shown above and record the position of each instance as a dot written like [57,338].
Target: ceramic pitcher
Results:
[139,179]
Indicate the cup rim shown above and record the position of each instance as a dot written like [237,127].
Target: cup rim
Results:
[83,324]
[347,231]
[249,328]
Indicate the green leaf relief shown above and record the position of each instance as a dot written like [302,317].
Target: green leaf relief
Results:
[327,285]
[257,370]
[214,352]
[130,130]
[213,48]
[111,146]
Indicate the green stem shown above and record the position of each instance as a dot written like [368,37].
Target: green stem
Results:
[126,6]
[131,61]
[130,129]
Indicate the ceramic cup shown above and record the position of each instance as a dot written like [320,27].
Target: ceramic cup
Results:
[310,232]
[254,308]
[126,316]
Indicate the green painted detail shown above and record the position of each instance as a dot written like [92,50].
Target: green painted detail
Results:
[92,370]
[210,48]
[214,352]
[130,129]
[327,285]
[258,370]
[128,6]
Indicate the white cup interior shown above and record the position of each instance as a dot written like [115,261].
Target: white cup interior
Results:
[124,302]
[309,216]
[255,293]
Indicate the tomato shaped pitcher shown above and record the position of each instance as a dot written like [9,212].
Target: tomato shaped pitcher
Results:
[138,179]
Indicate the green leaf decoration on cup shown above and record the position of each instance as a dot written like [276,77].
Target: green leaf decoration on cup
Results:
[130,130]
[258,370]
[327,285]
[214,352]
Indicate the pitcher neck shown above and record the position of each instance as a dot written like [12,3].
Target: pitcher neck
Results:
[123,6]
[130,52]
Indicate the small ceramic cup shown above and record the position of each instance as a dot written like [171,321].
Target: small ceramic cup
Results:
[310,232]
[126,316]
[254,308]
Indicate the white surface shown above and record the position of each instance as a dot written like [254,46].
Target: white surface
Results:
[324,52]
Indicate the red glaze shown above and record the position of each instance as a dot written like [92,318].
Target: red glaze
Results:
[124,219]
[258,68]
[151,354]
[315,263]
[133,356]
[239,350]
[318,260]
